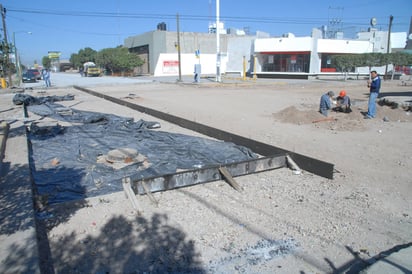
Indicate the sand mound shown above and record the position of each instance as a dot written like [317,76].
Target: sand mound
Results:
[294,116]
[339,121]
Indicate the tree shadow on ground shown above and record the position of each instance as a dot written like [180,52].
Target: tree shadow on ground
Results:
[15,198]
[22,210]
[357,264]
[127,245]
[15,193]
[17,220]
[22,207]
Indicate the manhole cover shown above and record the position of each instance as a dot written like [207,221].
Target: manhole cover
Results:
[121,157]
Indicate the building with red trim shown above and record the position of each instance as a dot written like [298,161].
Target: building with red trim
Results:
[306,57]
[266,57]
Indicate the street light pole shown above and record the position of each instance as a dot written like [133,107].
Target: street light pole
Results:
[218,59]
[388,47]
[16,56]
[6,66]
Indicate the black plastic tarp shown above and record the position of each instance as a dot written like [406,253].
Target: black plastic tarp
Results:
[64,158]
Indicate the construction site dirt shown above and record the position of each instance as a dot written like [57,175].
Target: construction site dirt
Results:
[279,221]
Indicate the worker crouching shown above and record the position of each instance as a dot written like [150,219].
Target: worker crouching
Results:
[343,103]
[325,103]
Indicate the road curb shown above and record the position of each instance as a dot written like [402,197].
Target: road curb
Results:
[19,250]
[4,131]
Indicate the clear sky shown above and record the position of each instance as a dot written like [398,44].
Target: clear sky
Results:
[68,26]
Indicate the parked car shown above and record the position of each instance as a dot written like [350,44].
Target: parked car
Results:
[29,76]
[35,72]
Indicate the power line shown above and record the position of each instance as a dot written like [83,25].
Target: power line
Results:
[172,16]
[206,18]
[317,21]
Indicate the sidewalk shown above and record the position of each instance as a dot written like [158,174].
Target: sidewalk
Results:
[19,248]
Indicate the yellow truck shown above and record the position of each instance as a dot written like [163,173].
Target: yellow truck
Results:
[90,69]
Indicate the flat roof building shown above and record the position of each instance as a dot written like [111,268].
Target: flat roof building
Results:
[271,57]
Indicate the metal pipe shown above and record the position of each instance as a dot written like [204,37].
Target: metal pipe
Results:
[178,48]
[254,67]
[244,68]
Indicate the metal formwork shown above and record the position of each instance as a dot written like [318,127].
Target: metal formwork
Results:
[273,157]
[206,174]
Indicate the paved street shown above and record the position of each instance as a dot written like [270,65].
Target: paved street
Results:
[62,79]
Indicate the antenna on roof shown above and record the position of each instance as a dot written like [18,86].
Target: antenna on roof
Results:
[210,12]
[210,5]
[334,22]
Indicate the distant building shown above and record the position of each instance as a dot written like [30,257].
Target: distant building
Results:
[64,65]
[267,57]
[159,50]
[303,57]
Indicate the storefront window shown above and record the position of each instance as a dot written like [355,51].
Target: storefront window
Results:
[327,63]
[285,63]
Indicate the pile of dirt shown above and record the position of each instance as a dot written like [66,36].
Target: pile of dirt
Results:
[337,120]
[294,116]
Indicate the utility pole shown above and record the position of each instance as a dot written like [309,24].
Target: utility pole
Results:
[17,58]
[178,48]
[6,68]
[389,44]
[218,60]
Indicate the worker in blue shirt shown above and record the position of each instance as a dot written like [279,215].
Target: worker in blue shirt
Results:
[325,103]
[374,86]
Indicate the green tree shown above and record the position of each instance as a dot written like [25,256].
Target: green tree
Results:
[46,62]
[75,60]
[118,59]
[6,67]
[375,59]
[84,55]
[345,62]
[399,59]
[3,58]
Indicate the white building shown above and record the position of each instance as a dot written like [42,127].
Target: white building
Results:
[303,57]
[267,57]
[159,50]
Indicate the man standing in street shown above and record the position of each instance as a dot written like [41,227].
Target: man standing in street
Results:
[374,86]
[198,70]
[46,77]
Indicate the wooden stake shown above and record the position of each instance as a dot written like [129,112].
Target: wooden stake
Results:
[226,174]
[293,165]
[129,193]
[151,197]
